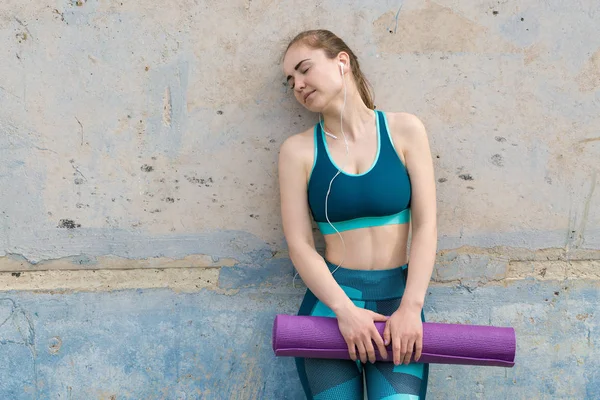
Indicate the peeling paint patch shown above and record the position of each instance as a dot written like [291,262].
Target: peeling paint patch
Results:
[167,108]
[478,266]
[238,245]
[15,262]
[168,91]
[276,272]
[176,279]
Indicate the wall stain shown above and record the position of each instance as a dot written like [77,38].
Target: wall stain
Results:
[395,22]
[61,15]
[498,160]
[207,182]
[21,37]
[68,224]
[453,33]
[589,77]
[582,317]
[55,344]
[589,140]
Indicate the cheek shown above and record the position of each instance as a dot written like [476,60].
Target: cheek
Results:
[297,95]
[326,83]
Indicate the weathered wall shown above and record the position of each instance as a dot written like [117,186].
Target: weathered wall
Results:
[141,252]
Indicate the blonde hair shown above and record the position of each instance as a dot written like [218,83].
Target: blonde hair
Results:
[332,45]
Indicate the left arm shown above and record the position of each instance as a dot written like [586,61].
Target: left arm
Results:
[423,211]
[404,327]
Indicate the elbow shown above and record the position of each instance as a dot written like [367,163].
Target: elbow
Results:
[298,249]
[425,228]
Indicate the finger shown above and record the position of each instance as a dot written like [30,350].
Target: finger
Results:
[362,352]
[370,349]
[351,350]
[378,340]
[403,349]
[409,351]
[418,348]
[386,333]
[378,317]
[396,348]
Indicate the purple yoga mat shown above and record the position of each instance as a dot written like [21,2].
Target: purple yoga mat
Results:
[319,337]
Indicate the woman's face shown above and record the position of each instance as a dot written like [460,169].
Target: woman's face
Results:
[314,78]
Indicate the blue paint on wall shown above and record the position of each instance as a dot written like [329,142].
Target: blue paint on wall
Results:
[149,344]
[273,272]
[156,344]
[242,246]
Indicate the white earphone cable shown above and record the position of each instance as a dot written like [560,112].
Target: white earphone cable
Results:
[339,171]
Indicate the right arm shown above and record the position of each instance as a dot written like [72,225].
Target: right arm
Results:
[297,227]
[355,324]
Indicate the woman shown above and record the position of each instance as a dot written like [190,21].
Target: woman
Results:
[365,176]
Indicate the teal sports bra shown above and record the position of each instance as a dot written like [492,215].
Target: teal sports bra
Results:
[379,196]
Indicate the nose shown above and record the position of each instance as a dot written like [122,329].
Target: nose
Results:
[299,84]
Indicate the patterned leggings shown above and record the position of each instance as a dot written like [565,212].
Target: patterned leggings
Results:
[324,379]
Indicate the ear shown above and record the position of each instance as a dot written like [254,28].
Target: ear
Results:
[344,58]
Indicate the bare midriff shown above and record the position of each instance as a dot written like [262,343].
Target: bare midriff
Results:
[372,248]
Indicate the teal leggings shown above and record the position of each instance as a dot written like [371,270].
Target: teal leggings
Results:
[324,379]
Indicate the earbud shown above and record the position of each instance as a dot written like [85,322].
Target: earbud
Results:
[342,68]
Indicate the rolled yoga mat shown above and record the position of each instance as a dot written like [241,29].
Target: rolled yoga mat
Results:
[319,337]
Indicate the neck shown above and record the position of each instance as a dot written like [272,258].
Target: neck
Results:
[357,118]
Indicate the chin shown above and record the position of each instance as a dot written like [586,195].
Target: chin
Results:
[311,107]
[314,106]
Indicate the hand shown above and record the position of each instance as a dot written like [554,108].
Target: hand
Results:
[357,326]
[404,329]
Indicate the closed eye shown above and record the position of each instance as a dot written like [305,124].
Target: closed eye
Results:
[304,72]
[289,77]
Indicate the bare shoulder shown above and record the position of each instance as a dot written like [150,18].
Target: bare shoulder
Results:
[406,126]
[298,149]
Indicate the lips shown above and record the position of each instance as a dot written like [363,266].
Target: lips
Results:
[308,94]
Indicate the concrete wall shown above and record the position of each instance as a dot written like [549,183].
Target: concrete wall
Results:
[141,252]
